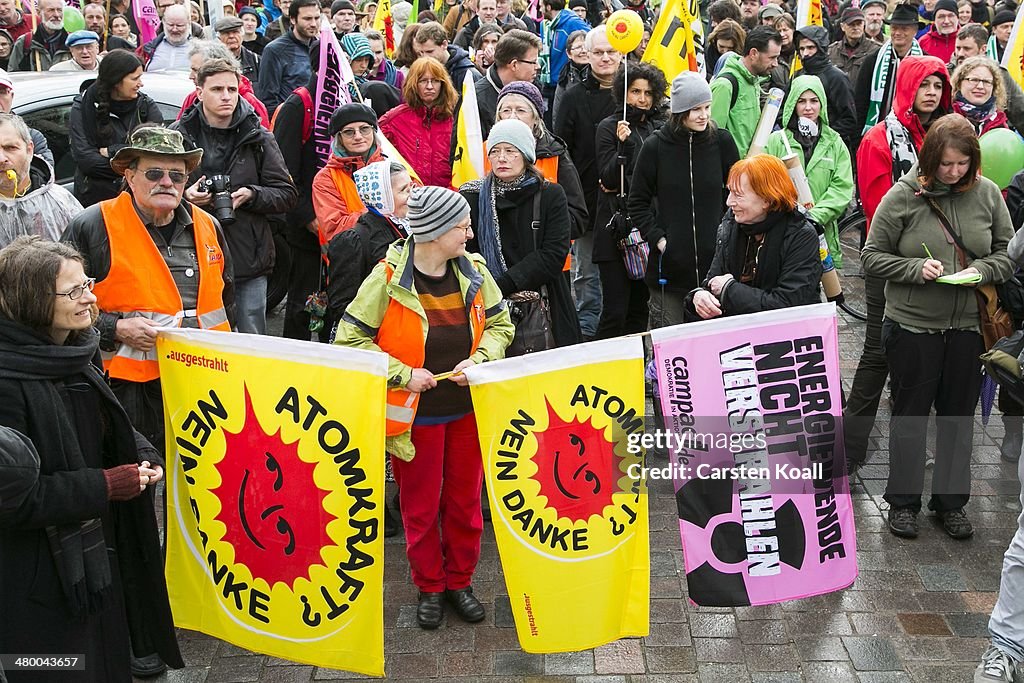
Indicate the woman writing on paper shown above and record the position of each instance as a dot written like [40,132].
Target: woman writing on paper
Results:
[433,308]
[931,331]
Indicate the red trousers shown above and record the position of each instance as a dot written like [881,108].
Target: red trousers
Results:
[440,496]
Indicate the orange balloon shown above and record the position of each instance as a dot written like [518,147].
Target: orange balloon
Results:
[625,30]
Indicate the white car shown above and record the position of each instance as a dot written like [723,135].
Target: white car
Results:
[44,101]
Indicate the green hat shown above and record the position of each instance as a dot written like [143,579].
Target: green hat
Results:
[156,141]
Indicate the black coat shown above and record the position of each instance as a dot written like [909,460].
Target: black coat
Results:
[353,254]
[254,161]
[788,267]
[487,89]
[303,163]
[842,112]
[678,192]
[583,107]
[608,163]
[569,178]
[36,618]
[531,268]
[94,179]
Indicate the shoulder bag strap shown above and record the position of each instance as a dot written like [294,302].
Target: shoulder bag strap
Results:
[947,227]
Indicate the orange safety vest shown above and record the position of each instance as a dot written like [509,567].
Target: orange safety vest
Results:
[139,284]
[548,168]
[401,335]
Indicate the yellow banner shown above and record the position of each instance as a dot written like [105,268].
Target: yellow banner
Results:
[384,24]
[275,488]
[1013,56]
[677,43]
[468,160]
[569,511]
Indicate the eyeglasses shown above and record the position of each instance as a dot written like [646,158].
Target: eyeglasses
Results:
[601,54]
[155,175]
[428,82]
[578,50]
[528,61]
[76,292]
[361,132]
[979,81]
[517,112]
[509,154]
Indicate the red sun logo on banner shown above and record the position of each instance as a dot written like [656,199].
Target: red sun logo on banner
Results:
[577,468]
[270,505]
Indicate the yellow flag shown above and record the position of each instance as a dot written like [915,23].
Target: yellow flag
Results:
[1013,56]
[468,160]
[677,43]
[808,13]
[383,22]
[568,504]
[275,488]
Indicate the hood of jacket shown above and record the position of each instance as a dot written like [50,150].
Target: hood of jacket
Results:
[912,72]
[798,87]
[42,175]
[817,34]
[734,65]
[550,145]
[457,57]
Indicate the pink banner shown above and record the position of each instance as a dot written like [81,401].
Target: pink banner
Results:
[331,90]
[753,428]
[146,19]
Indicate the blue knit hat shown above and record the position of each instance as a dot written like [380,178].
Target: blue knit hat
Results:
[515,133]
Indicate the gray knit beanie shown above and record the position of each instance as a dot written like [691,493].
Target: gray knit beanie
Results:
[515,133]
[689,90]
[433,211]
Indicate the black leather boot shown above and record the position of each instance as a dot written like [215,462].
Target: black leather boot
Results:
[430,610]
[466,605]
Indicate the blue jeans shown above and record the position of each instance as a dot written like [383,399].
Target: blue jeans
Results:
[1007,622]
[586,282]
[251,305]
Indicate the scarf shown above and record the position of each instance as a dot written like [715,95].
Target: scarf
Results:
[373,183]
[904,154]
[489,238]
[881,98]
[749,262]
[977,114]
[992,49]
[79,549]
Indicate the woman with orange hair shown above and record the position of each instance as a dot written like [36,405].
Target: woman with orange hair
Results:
[766,255]
[421,129]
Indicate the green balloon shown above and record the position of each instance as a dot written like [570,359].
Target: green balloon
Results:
[73,19]
[1002,156]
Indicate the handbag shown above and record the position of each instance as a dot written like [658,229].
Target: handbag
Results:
[1005,364]
[531,310]
[635,250]
[996,323]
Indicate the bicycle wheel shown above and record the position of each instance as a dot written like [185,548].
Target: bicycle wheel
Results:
[852,234]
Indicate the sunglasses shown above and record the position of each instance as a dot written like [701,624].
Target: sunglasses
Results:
[155,175]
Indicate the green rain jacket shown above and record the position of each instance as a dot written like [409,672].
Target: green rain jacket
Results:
[828,172]
[741,118]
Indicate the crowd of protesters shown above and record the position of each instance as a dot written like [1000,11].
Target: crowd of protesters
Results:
[589,153]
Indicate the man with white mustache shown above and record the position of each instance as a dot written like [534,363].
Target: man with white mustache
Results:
[45,47]
[158,261]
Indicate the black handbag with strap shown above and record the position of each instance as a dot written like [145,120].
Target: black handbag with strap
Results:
[531,310]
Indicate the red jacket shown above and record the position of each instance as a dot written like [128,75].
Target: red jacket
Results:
[937,45]
[874,158]
[245,91]
[423,139]
[337,211]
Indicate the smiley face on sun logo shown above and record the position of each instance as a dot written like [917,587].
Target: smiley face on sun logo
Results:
[270,505]
[576,467]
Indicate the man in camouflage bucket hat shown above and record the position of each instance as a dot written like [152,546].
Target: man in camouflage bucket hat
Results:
[154,140]
[158,261]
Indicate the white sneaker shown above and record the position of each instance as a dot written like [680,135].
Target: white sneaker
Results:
[998,667]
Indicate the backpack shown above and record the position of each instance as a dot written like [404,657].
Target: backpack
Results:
[735,87]
[307,110]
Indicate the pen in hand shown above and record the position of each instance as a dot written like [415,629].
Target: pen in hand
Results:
[927,251]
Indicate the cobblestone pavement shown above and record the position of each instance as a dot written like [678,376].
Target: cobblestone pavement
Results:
[918,611]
